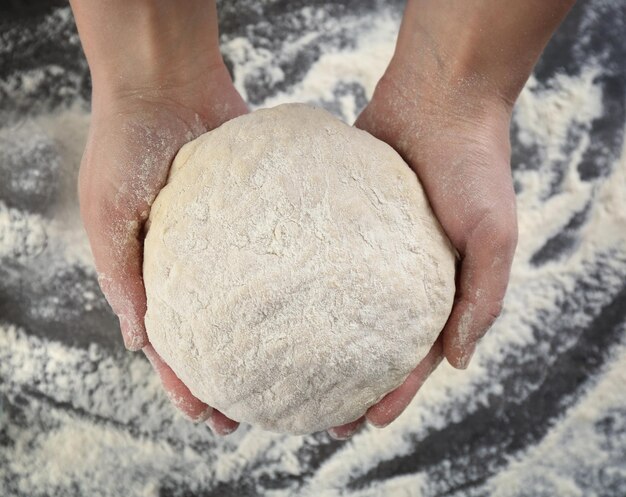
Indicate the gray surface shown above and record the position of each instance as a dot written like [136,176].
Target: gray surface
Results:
[471,447]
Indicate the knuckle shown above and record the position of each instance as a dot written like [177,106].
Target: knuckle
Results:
[98,212]
[494,310]
[506,236]
[501,229]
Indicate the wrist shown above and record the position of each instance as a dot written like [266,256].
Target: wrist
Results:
[436,99]
[145,44]
[209,99]
[419,114]
[481,46]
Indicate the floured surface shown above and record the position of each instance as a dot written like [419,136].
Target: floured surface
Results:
[541,410]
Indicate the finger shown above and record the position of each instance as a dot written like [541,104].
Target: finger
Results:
[344,432]
[124,166]
[177,391]
[221,424]
[396,401]
[484,276]
[117,249]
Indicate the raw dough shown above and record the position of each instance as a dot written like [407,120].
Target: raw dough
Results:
[294,270]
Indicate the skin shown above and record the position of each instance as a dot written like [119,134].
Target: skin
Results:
[444,103]
[146,103]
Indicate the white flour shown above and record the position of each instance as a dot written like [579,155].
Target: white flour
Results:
[121,437]
[561,461]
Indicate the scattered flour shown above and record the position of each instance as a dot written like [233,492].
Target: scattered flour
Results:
[22,235]
[95,422]
[560,462]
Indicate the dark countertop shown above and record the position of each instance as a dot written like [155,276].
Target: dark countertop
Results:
[541,415]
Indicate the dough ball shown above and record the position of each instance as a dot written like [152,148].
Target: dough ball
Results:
[294,270]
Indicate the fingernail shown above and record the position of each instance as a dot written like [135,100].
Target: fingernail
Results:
[132,334]
[377,425]
[333,433]
[204,415]
[132,344]
[225,431]
[466,357]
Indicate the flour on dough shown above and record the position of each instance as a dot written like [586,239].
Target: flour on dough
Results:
[294,270]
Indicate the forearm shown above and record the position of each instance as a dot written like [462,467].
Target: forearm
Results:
[490,44]
[138,44]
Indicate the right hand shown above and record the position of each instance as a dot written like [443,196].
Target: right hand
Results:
[133,138]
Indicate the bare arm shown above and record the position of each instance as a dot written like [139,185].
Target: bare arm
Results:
[158,82]
[147,44]
[445,104]
[491,45]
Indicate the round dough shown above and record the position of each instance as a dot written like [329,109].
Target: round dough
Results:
[294,270]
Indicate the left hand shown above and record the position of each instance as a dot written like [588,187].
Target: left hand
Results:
[457,142]
[445,104]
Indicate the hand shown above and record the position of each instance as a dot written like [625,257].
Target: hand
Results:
[459,148]
[158,82]
[132,141]
[445,105]
[458,145]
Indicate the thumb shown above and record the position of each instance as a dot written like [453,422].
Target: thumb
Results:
[482,284]
[117,248]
